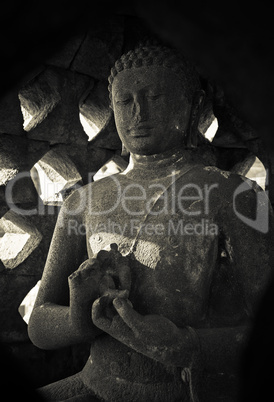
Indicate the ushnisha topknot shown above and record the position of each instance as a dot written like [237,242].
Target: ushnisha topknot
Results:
[149,54]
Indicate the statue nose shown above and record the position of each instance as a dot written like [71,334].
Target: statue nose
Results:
[140,111]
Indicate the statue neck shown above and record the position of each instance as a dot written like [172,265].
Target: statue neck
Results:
[151,167]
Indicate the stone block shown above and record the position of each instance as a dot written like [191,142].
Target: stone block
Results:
[114,165]
[11,118]
[78,156]
[12,156]
[207,117]
[225,138]
[39,97]
[27,304]
[36,150]
[63,124]
[97,157]
[21,190]
[233,131]
[66,53]
[100,48]
[12,291]
[95,112]
[108,137]
[45,220]
[18,239]
[52,174]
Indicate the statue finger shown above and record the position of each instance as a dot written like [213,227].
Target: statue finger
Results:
[103,256]
[91,263]
[128,314]
[99,317]
[116,293]
[106,283]
[124,276]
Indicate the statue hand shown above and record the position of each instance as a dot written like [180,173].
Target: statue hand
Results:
[84,289]
[107,274]
[152,335]
[116,272]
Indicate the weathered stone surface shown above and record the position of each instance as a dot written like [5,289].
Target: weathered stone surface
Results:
[78,156]
[21,190]
[207,117]
[96,157]
[14,170]
[11,118]
[114,165]
[95,112]
[100,48]
[257,172]
[33,266]
[66,53]
[63,124]
[13,287]
[36,150]
[53,173]
[39,97]
[42,366]
[13,158]
[18,239]
[27,304]
[232,131]
[227,139]
[108,138]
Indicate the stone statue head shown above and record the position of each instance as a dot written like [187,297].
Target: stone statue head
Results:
[156,98]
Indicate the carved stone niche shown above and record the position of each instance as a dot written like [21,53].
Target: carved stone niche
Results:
[18,239]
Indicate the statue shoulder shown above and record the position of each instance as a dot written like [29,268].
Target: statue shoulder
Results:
[226,185]
[102,186]
[225,178]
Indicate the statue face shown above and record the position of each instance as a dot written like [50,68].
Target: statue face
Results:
[150,109]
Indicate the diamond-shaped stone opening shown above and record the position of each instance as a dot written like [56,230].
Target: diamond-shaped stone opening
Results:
[38,98]
[257,172]
[114,165]
[208,123]
[18,239]
[52,175]
[212,130]
[94,110]
[27,304]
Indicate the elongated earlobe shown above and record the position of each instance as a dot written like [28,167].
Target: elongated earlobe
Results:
[124,152]
[196,109]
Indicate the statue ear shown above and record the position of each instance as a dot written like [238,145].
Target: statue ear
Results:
[195,114]
[124,151]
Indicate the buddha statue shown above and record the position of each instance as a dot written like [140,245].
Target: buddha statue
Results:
[177,261]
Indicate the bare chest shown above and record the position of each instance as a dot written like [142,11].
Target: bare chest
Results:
[172,253]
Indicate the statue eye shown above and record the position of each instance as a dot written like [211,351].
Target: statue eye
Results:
[123,101]
[154,96]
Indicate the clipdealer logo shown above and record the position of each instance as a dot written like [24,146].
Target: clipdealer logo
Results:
[261,221]
[198,197]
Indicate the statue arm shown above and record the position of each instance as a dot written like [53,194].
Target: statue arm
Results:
[247,226]
[248,245]
[58,319]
